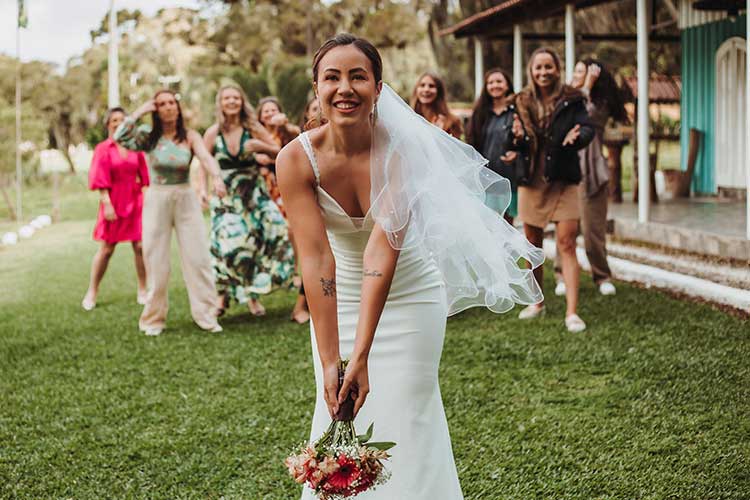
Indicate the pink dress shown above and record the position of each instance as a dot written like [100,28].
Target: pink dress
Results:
[123,177]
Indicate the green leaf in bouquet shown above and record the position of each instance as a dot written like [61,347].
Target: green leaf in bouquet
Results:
[382,446]
[363,438]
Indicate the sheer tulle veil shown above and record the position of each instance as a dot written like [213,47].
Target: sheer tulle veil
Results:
[428,191]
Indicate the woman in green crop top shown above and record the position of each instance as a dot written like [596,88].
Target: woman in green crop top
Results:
[169,203]
[250,247]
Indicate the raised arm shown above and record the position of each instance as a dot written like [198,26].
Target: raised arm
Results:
[208,162]
[379,264]
[297,185]
[132,136]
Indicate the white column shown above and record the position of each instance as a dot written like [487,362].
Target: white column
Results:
[19,167]
[113,70]
[644,175]
[747,118]
[518,58]
[570,41]
[478,68]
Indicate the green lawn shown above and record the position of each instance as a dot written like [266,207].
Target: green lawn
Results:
[652,402]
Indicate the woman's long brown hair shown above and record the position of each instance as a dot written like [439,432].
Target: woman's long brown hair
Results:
[483,107]
[440,105]
[157,130]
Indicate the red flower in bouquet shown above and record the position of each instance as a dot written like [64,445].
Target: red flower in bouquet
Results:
[347,473]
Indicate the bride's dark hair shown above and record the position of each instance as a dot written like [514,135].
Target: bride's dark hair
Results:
[363,45]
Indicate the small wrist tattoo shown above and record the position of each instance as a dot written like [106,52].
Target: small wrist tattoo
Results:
[374,273]
[329,286]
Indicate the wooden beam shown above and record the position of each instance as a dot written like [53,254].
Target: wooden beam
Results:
[588,37]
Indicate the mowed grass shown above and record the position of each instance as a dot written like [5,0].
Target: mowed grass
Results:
[651,402]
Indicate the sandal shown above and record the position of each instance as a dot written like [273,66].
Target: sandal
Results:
[256,308]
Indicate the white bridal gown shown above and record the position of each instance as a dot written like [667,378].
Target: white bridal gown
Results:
[404,400]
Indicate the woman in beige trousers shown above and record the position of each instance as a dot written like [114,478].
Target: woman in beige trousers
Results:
[171,203]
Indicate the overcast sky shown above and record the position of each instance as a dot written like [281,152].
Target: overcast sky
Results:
[59,29]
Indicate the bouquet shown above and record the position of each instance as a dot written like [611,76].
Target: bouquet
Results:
[341,464]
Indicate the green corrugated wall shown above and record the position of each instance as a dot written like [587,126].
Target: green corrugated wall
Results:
[699,46]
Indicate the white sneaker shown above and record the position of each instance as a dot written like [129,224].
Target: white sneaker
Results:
[531,312]
[574,323]
[141,298]
[560,289]
[152,332]
[216,329]
[607,288]
[88,305]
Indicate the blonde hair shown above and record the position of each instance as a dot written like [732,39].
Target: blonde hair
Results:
[248,116]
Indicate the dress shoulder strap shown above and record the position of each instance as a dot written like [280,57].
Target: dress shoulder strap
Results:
[307,146]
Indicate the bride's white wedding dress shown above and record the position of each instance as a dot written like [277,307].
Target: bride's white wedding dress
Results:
[404,400]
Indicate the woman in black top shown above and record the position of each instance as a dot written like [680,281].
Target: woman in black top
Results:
[492,130]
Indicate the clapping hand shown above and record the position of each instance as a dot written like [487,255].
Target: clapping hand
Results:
[509,157]
[279,120]
[263,159]
[572,136]
[517,128]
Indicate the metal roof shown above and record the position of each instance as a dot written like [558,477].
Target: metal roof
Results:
[662,89]
[509,12]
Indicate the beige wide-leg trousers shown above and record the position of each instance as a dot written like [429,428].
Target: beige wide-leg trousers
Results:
[164,208]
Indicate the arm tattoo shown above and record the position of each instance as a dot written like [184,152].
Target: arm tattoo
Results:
[329,287]
[372,273]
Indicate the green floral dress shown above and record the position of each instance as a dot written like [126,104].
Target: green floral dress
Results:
[250,246]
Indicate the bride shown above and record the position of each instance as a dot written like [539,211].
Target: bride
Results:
[393,237]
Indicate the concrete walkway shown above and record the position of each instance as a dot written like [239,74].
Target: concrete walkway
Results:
[706,226]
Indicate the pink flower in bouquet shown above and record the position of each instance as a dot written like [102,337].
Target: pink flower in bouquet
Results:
[315,477]
[296,467]
[328,465]
[347,473]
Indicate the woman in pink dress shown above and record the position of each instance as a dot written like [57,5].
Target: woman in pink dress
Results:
[119,175]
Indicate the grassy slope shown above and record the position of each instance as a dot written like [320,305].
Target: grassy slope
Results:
[650,403]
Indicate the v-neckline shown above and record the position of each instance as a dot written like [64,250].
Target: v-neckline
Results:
[338,205]
[226,145]
[119,153]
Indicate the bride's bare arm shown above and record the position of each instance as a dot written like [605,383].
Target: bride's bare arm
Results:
[297,184]
[379,264]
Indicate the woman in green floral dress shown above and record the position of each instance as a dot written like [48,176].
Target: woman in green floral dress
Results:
[250,246]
